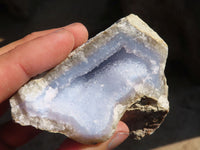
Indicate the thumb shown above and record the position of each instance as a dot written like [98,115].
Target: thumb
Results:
[120,135]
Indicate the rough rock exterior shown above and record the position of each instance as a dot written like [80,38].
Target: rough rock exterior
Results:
[119,72]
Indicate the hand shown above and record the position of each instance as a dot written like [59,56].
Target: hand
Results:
[32,55]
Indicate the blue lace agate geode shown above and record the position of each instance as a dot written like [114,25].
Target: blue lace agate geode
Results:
[119,70]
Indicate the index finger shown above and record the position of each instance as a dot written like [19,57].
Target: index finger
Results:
[73,28]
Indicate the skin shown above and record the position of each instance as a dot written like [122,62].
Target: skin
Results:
[32,55]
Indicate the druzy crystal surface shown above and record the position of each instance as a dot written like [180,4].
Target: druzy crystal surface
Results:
[119,72]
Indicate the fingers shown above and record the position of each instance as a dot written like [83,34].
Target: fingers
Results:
[36,56]
[122,132]
[13,135]
[77,29]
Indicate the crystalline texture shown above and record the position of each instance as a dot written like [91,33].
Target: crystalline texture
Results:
[119,70]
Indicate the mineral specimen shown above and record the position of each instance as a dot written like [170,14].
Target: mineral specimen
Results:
[119,72]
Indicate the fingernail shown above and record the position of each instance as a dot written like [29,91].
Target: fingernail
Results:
[117,139]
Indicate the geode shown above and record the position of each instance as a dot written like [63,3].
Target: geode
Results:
[117,75]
